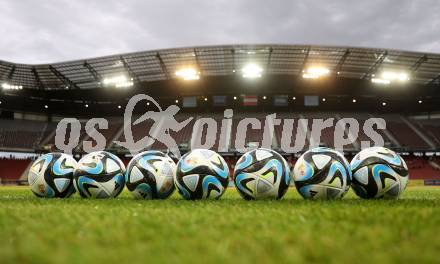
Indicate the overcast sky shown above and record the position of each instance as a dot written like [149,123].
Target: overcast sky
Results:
[41,31]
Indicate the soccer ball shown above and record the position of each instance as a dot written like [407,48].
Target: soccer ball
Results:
[201,174]
[261,173]
[51,175]
[150,175]
[322,173]
[378,173]
[99,175]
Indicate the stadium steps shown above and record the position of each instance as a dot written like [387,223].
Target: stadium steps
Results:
[418,132]
[355,144]
[434,164]
[304,128]
[24,175]
[117,135]
[43,131]
[389,135]
[49,136]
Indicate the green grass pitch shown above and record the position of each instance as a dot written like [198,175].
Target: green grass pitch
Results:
[125,230]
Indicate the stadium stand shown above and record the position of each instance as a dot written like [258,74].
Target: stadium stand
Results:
[76,89]
[407,138]
[421,168]
[24,134]
[20,134]
[12,169]
[431,129]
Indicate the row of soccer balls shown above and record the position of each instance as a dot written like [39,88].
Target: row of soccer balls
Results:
[320,173]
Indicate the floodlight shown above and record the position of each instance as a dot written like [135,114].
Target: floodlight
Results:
[380,81]
[251,71]
[388,77]
[119,81]
[188,74]
[395,76]
[124,84]
[315,72]
[8,86]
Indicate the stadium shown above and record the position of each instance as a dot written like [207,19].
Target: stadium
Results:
[299,82]
[35,97]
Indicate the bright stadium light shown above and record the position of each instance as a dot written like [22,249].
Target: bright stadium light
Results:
[119,81]
[124,84]
[251,71]
[395,76]
[188,74]
[420,101]
[380,81]
[388,77]
[315,72]
[8,86]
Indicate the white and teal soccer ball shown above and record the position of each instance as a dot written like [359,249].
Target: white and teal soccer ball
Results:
[150,175]
[51,175]
[99,174]
[201,174]
[260,174]
[322,173]
[379,172]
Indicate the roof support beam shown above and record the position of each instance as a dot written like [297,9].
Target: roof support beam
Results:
[37,79]
[375,66]
[306,57]
[199,68]
[234,64]
[63,78]
[342,61]
[11,72]
[92,71]
[419,62]
[436,80]
[128,69]
[269,58]
[163,66]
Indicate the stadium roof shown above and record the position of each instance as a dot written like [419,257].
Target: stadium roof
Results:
[160,65]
